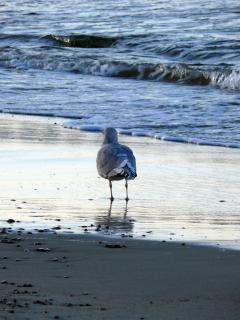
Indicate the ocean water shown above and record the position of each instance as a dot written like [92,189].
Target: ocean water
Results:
[167,69]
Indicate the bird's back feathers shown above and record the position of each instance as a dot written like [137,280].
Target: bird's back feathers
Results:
[116,161]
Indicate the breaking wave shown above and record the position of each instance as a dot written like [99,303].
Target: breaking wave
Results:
[222,76]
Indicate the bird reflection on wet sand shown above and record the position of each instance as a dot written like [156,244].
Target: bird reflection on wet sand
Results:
[117,223]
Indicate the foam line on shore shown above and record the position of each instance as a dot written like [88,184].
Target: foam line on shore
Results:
[74,124]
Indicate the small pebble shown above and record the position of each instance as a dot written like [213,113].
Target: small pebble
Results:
[10,221]
[43,249]
[4,282]
[56,228]
[115,246]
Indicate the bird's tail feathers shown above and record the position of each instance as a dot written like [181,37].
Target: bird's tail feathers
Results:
[131,174]
[125,172]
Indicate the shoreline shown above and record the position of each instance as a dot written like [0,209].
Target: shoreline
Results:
[71,122]
[183,193]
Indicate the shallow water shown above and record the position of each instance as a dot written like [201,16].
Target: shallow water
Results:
[167,68]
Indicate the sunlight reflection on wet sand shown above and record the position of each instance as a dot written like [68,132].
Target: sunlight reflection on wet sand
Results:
[182,192]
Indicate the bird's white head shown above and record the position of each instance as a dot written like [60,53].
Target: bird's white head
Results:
[110,136]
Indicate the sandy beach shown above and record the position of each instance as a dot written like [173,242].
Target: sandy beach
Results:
[73,277]
[166,76]
[55,265]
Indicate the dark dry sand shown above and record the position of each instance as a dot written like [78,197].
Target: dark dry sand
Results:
[81,278]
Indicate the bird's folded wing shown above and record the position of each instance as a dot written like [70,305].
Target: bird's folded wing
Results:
[111,159]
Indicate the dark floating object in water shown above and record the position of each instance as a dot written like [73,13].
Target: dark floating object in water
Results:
[83,40]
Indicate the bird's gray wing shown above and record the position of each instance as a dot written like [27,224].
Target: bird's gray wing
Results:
[112,158]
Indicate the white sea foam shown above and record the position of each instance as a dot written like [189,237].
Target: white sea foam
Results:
[229,80]
[74,124]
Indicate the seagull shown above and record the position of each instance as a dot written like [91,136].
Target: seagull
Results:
[115,161]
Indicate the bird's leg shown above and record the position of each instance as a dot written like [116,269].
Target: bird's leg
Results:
[110,186]
[110,210]
[125,210]
[126,185]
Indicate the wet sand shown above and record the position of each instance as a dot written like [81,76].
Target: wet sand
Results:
[83,277]
[48,180]
[182,192]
